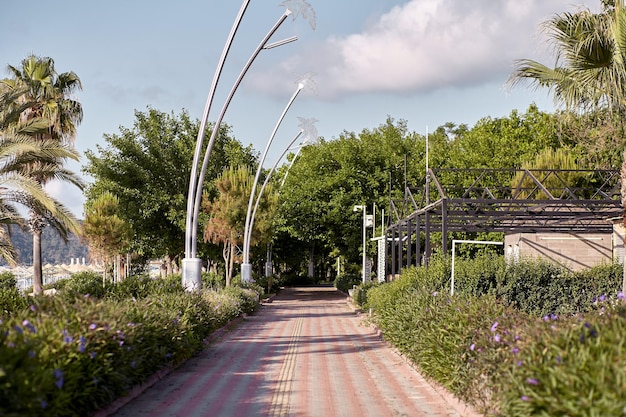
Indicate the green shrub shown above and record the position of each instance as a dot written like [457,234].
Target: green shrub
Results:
[213,281]
[7,280]
[134,286]
[12,300]
[72,356]
[248,297]
[360,293]
[345,282]
[505,361]
[80,285]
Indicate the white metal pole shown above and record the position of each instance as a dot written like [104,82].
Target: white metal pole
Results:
[246,268]
[477,242]
[364,243]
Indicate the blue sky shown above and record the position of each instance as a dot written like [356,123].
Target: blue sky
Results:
[428,62]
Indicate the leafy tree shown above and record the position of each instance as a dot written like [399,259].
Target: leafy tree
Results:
[542,168]
[228,214]
[329,178]
[105,232]
[41,98]
[148,168]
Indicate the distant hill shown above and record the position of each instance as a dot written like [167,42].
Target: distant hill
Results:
[53,249]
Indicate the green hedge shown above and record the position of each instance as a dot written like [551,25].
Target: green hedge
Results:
[72,354]
[345,282]
[500,344]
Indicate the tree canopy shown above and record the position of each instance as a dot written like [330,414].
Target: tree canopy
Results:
[148,167]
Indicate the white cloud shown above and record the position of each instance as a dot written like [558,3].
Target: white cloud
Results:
[424,45]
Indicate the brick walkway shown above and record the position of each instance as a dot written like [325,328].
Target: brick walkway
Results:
[306,354]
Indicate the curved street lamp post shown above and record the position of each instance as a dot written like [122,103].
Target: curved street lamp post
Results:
[246,268]
[310,133]
[191,265]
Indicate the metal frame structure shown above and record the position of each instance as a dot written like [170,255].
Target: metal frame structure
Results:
[500,200]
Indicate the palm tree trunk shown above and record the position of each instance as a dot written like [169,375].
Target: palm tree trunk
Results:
[37,271]
[36,224]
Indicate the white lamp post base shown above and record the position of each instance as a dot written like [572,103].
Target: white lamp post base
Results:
[246,273]
[192,274]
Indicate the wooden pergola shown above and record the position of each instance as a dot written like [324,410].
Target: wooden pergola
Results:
[500,200]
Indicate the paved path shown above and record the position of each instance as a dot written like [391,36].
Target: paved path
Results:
[306,354]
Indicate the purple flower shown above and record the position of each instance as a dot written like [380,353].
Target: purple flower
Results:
[44,404]
[133,364]
[92,355]
[524,398]
[67,338]
[31,353]
[435,294]
[18,329]
[620,295]
[515,351]
[546,318]
[32,308]
[472,346]
[58,374]
[554,317]
[532,381]
[520,363]
[29,326]
[494,326]
[602,297]
[496,338]
[81,348]
[92,326]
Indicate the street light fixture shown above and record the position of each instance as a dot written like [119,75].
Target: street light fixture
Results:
[191,265]
[310,134]
[246,267]
[364,208]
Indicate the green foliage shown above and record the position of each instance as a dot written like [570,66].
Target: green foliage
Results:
[571,367]
[345,282]
[542,288]
[148,167]
[80,285]
[248,298]
[12,301]
[73,356]
[105,231]
[7,280]
[360,293]
[212,280]
[505,361]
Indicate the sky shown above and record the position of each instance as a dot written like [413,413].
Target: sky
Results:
[428,62]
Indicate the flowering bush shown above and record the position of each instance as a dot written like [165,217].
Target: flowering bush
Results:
[73,355]
[505,361]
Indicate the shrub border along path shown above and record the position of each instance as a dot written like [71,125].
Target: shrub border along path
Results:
[161,374]
[461,407]
[306,353]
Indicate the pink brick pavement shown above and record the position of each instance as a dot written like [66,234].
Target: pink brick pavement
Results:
[306,354]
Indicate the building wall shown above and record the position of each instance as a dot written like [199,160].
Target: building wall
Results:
[574,251]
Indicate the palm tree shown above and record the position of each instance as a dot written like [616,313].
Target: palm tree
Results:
[40,93]
[590,70]
[15,141]
[590,49]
